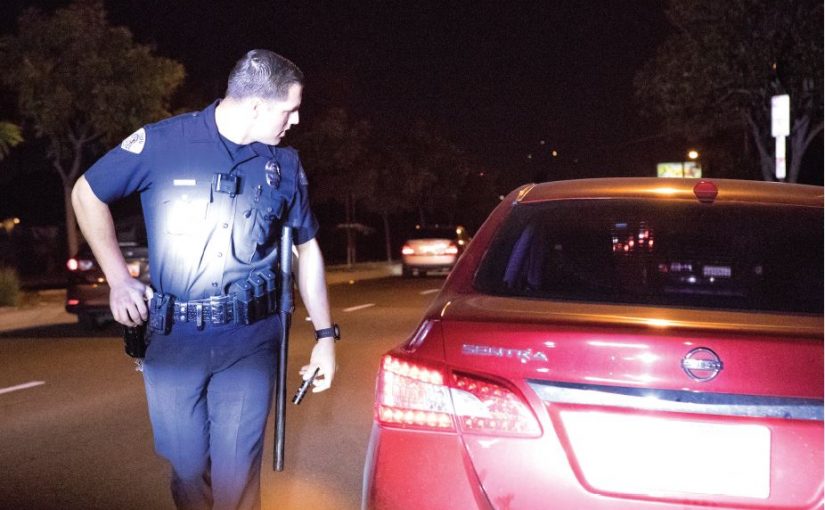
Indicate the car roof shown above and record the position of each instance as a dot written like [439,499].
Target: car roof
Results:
[671,188]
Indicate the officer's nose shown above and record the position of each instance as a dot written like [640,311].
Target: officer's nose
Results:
[294,118]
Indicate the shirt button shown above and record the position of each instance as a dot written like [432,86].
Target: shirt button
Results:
[220,254]
[214,284]
[226,225]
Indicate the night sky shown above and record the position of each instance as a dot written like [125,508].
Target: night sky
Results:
[495,77]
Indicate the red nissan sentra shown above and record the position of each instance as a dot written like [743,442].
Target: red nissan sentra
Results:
[616,343]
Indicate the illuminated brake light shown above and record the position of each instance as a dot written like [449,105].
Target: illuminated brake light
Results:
[74,264]
[486,407]
[407,250]
[414,396]
[451,250]
[410,395]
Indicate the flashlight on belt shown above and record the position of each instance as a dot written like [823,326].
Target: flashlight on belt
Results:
[299,395]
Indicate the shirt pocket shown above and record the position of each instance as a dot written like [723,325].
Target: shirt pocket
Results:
[185,211]
[260,221]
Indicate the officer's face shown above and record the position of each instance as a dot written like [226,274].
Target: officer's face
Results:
[276,117]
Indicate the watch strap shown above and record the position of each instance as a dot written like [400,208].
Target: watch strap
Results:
[333,332]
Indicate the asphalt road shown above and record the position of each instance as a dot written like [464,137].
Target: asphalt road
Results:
[75,434]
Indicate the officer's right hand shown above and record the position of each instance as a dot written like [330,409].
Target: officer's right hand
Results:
[127,300]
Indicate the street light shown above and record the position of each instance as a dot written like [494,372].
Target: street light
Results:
[692,155]
[8,224]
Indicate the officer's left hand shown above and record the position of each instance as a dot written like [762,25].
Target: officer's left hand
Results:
[323,357]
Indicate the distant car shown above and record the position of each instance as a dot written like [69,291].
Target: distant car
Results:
[434,248]
[616,344]
[87,292]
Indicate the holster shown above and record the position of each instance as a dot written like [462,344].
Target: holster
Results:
[161,309]
[134,340]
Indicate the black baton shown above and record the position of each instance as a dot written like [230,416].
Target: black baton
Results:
[285,308]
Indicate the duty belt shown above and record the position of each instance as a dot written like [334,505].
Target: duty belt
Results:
[216,310]
[247,301]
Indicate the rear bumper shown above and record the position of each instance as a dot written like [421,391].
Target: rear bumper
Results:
[88,298]
[429,261]
[411,470]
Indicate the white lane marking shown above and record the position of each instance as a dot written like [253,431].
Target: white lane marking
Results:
[359,307]
[21,386]
[431,291]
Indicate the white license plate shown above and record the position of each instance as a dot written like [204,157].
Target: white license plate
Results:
[645,455]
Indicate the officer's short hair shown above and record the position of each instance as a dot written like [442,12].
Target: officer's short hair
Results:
[264,74]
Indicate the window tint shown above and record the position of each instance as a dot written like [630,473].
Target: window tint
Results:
[721,256]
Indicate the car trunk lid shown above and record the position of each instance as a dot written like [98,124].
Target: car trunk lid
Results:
[643,403]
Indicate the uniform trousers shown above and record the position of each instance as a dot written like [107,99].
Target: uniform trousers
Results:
[209,394]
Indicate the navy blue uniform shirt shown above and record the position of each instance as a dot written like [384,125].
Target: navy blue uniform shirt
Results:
[200,239]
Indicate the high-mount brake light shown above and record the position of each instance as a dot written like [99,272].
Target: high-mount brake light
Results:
[451,250]
[705,191]
[407,250]
[412,395]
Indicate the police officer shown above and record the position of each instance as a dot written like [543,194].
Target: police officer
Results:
[215,189]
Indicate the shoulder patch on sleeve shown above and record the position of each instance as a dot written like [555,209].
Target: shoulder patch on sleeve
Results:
[134,143]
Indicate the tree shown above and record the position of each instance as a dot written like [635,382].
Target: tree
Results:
[83,85]
[395,182]
[9,137]
[334,149]
[441,168]
[724,61]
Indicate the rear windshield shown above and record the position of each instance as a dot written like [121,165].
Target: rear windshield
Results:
[722,256]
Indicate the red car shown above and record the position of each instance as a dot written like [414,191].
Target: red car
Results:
[616,343]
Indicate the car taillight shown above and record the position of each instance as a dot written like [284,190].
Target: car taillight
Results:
[74,264]
[451,250]
[412,395]
[489,408]
[407,250]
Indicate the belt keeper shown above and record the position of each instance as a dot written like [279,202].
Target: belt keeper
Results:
[199,315]
[217,309]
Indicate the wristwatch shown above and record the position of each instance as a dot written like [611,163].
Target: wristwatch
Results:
[334,332]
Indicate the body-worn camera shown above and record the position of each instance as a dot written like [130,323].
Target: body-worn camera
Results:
[227,183]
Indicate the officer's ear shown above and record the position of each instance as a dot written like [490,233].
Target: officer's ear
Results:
[257,106]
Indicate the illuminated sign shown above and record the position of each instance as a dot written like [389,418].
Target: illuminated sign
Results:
[679,169]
